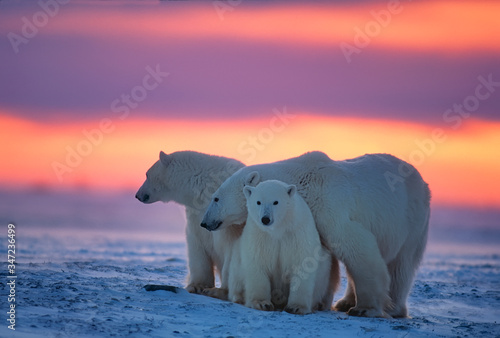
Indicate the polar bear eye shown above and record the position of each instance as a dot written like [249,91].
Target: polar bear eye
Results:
[216,199]
[258,202]
[275,203]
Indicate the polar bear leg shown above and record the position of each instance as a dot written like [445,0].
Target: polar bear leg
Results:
[401,282]
[402,271]
[327,281]
[258,291]
[333,284]
[222,292]
[371,293]
[236,291]
[201,266]
[236,280]
[201,274]
[349,299]
[301,293]
[361,256]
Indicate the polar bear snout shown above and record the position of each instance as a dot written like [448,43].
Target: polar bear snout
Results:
[144,198]
[212,226]
[266,220]
[266,214]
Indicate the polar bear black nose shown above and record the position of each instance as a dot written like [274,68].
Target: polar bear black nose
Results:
[143,199]
[265,220]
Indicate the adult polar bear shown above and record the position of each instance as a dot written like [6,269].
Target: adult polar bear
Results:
[190,178]
[374,223]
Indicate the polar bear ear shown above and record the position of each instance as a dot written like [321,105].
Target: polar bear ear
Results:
[247,190]
[252,179]
[291,190]
[165,159]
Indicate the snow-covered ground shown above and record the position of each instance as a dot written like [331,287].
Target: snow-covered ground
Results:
[82,265]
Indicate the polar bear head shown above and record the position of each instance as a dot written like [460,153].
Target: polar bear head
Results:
[160,182]
[186,177]
[228,204]
[269,204]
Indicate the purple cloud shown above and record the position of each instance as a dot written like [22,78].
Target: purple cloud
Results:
[77,76]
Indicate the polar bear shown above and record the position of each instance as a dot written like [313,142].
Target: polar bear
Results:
[281,262]
[372,213]
[190,178]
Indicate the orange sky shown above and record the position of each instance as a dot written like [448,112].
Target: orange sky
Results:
[68,68]
[461,166]
[474,22]
[425,25]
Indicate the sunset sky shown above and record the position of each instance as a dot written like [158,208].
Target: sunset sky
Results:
[90,92]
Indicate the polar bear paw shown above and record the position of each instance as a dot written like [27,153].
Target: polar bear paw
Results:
[296,309]
[397,311]
[322,306]
[343,305]
[197,288]
[263,305]
[238,299]
[368,312]
[218,293]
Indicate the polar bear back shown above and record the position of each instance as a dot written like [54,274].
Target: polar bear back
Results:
[383,193]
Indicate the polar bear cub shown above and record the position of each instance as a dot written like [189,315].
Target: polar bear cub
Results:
[283,263]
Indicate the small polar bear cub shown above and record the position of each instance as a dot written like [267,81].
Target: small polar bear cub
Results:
[279,238]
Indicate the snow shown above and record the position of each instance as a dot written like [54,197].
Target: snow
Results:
[88,282]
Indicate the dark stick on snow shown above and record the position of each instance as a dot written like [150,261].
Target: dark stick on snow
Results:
[153,287]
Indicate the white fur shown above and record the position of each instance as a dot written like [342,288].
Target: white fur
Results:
[279,261]
[190,178]
[376,224]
